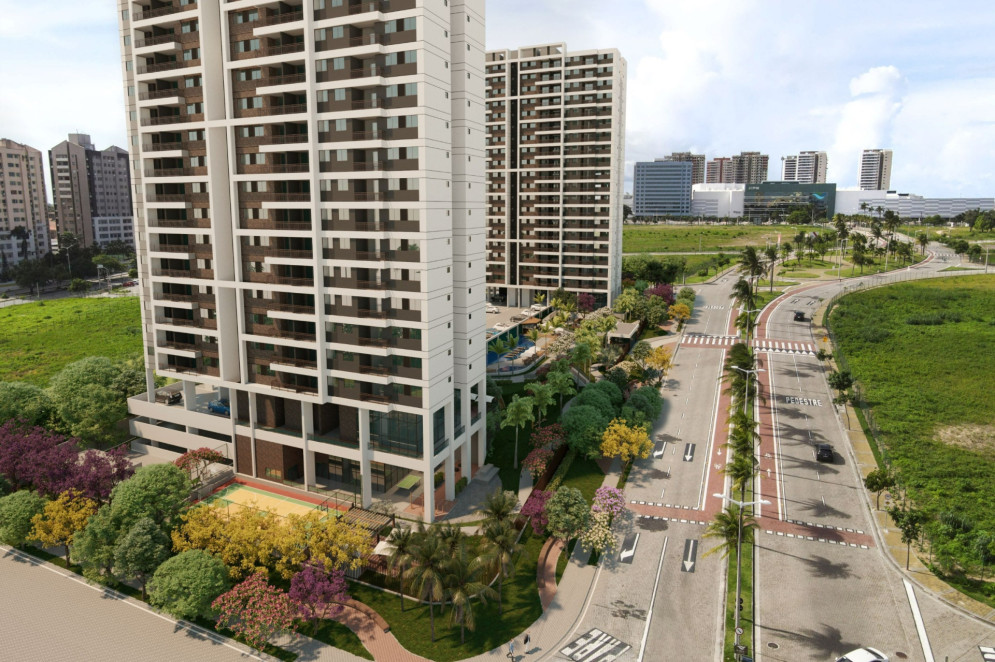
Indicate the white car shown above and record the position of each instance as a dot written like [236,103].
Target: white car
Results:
[866,654]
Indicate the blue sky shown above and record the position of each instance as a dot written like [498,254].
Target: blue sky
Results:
[708,75]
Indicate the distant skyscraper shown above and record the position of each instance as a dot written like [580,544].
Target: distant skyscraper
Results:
[663,188]
[698,162]
[804,168]
[92,191]
[719,171]
[22,203]
[875,170]
[745,168]
[555,172]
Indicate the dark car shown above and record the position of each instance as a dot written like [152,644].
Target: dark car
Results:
[824,453]
[799,316]
[168,397]
[220,407]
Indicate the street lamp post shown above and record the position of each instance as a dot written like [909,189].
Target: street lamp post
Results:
[739,550]
[748,324]
[746,399]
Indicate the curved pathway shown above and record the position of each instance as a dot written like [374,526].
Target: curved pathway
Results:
[373,631]
[549,556]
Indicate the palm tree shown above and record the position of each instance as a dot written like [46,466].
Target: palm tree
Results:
[450,535]
[770,253]
[786,248]
[404,542]
[750,262]
[463,585]
[741,471]
[923,240]
[562,383]
[499,506]
[725,527]
[542,397]
[581,356]
[742,294]
[427,575]
[500,545]
[518,414]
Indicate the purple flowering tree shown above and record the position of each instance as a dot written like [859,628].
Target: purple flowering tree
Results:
[97,472]
[585,302]
[319,593]
[535,510]
[663,290]
[32,457]
[609,500]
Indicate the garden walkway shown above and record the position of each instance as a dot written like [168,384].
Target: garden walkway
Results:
[548,558]
[371,630]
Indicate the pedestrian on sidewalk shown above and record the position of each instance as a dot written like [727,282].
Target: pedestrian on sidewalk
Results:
[526,643]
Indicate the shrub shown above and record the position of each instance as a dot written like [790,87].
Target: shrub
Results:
[461,484]
[186,585]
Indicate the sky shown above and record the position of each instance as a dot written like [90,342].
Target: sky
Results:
[713,76]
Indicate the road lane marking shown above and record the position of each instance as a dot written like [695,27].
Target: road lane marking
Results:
[628,549]
[689,452]
[711,434]
[649,613]
[775,426]
[920,627]
[690,555]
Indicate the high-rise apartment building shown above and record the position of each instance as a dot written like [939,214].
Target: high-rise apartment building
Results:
[662,188]
[555,170]
[697,161]
[744,168]
[875,170]
[22,204]
[804,168]
[310,211]
[92,191]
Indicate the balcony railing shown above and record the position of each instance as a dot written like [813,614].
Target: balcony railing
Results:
[162,11]
[168,66]
[193,90]
[172,119]
[168,147]
[176,172]
[285,109]
[181,38]
[266,51]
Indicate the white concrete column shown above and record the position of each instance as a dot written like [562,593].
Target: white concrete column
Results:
[189,395]
[307,427]
[252,434]
[465,456]
[450,470]
[150,384]
[482,434]
[365,470]
[428,482]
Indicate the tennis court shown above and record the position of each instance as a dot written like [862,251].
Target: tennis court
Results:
[245,496]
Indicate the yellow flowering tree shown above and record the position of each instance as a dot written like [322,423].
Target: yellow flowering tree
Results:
[330,541]
[620,440]
[61,520]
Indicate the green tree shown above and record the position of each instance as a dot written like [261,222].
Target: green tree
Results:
[94,546]
[158,491]
[743,294]
[25,401]
[581,356]
[518,414]
[427,574]
[186,585]
[499,546]
[909,522]
[142,549]
[840,381]
[584,425]
[567,513]
[499,506]
[462,581]
[79,286]
[16,512]
[725,527]
[542,398]
[403,543]
[628,302]
[878,481]
[560,384]
[770,257]
[86,403]
[741,471]
[751,263]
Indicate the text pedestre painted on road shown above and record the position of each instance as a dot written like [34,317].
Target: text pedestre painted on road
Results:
[792,400]
[595,646]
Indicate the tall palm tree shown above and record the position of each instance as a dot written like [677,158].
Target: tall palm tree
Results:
[750,262]
[450,535]
[462,581]
[770,254]
[500,545]
[741,471]
[923,240]
[743,295]
[404,542]
[725,527]
[518,414]
[427,575]
[786,248]
[542,397]
[499,506]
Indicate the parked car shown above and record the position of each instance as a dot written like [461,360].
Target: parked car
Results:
[824,453]
[168,397]
[220,407]
[866,654]
[129,283]
[799,316]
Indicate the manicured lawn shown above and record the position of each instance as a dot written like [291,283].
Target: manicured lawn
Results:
[338,635]
[924,353]
[521,609]
[746,591]
[685,238]
[584,475]
[39,339]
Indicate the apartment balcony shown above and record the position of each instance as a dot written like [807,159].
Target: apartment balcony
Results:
[372,313]
[370,196]
[282,359]
[284,139]
[201,323]
[186,223]
[273,196]
[356,135]
[196,298]
[194,91]
[171,38]
[271,278]
[203,251]
[262,252]
[176,172]
[281,109]
[270,224]
[268,81]
[167,66]
[270,331]
[395,255]
[265,305]
[284,383]
[367,284]
[205,274]
[179,118]
[266,19]
[352,7]
[186,146]
[156,12]
[272,168]
[267,51]
[348,225]
[209,349]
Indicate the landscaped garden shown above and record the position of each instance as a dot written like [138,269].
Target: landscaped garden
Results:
[922,355]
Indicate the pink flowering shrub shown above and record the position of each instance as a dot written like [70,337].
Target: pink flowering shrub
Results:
[537,461]
[256,611]
[535,510]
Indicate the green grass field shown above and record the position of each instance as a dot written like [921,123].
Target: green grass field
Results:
[39,339]
[690,238]
[924,353]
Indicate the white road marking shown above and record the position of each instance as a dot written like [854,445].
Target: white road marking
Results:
[927,651]
[711,436]
[649,613]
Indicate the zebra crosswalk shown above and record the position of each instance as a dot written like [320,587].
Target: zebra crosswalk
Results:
[784,347]
[595,646]
[711,341]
